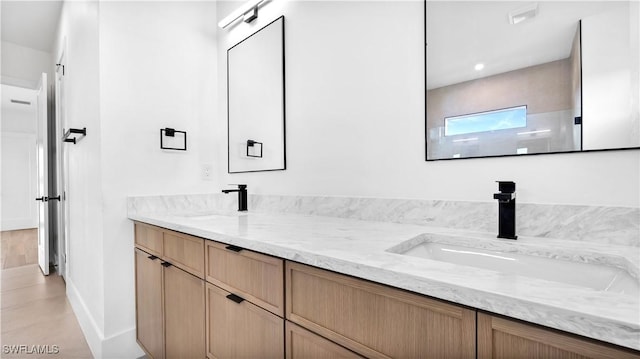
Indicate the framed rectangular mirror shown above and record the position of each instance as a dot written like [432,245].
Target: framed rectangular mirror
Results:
[509,78]
[256,101]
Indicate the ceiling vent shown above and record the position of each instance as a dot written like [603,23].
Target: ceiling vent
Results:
[524,13]
[20,102]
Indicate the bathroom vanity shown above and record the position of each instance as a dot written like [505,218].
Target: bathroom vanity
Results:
[273,285]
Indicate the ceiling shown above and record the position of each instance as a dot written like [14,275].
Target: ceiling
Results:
[461,34]
[30,24]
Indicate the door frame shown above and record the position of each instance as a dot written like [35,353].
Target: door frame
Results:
[42,172]
[62,157]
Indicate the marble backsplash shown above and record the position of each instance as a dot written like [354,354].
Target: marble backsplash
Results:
[613,225]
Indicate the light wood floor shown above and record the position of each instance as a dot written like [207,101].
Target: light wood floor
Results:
[34,310]
[18,247]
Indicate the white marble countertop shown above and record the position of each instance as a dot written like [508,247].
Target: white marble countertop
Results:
[359,248]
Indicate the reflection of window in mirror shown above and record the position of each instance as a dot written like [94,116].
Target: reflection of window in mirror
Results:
[477,61]
[503,119]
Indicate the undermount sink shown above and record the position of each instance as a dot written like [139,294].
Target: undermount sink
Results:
[598,276]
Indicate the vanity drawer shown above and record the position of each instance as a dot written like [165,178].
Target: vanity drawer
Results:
[377,321]
[185,252]
[237,328]
[256,277]
[148,238]
[503,338]
[303,344]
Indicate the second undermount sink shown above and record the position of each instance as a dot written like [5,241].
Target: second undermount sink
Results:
[535,264]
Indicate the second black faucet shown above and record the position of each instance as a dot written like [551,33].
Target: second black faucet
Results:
[506,209]
[242,196]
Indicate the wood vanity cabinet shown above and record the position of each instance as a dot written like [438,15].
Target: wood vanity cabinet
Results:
[377,321]
[198,298]
[170,300]
[500,338]
[244,303]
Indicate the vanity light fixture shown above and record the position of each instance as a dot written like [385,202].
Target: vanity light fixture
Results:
[479,66]
[524,13]
[248,11]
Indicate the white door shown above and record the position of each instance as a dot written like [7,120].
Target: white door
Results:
[42,151]
[62,153]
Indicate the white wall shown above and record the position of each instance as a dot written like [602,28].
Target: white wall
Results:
[355,118]
[132,68]
[20,72]
[18,172]
[22,66]
[157,70]
[18,179]
[78,31]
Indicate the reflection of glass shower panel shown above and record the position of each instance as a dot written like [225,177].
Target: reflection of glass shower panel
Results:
[545,132]
[548,132]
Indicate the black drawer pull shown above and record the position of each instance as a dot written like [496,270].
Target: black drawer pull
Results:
[152,257]
[235,298]
[166,264]
[234,248]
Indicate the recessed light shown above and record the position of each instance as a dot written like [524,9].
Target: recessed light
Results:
[479,67]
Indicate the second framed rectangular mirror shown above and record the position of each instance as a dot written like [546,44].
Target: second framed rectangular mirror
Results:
[508,78]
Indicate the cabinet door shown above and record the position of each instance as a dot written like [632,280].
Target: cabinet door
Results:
[149,311]
[254,276]
[241,330]
[148,238]
[303,344]
[184,314]
[500,338]
[377,321]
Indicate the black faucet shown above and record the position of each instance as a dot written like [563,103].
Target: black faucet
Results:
[506,209]
[242,196]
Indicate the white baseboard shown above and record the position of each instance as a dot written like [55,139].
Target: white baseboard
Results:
[92,333]
[11,224]
[120,345]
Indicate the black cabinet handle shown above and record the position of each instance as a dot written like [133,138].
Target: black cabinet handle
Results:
[56,198]
[43,199]
[166,264]
[235,298]
[152,257]
[234,248]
